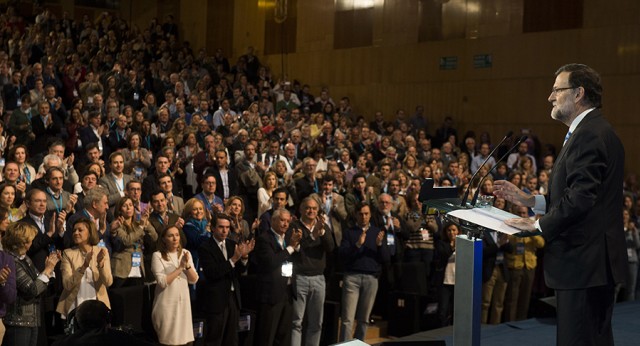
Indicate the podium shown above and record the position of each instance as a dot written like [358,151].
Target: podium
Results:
[472,222]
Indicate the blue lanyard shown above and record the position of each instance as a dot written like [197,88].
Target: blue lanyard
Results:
[55,203]
[118,186]
[27,175]
[160,219]
[206,200]
[148,139]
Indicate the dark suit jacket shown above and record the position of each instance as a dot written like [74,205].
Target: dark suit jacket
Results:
[150,239]
[39,249]
[304,188]
[272,286]
[43,134]
[213,290]
[582,226]
[233,182]
[150,184]
[116,142]
[402,234]
[87,136]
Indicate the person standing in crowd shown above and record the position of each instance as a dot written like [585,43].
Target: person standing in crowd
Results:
[45,128]
[240,229]
[213,203]
[23,318]
[361,193]
[95,208]
[8,292]
[126,264]
[172,266]
[495,275]
[364,252]
[50,231]
[196,227]
[585,253]
[137,159]
[85,268]
[116,181]
[222,261]
[175,203]
[446,272]
[279,199]
[274,254]
[310,287]
[20,122]
[633,245]
[521,261]
[332,207]
[308,184]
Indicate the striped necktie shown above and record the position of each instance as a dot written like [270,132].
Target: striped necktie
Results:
[566,138]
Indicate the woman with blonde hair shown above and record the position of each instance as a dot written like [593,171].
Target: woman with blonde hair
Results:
[251,117]
[178,130]
[196,226]
[240,231]
[137,159]
[270,183]
[126,264]
[23,316]
[85,268]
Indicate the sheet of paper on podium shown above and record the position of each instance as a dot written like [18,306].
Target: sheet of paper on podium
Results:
[491,218]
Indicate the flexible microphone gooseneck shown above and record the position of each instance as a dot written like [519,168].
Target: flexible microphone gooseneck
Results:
[475,195]
[466,191]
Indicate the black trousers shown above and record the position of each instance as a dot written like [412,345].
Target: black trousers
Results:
[222,328]
[584,316]
[274,323]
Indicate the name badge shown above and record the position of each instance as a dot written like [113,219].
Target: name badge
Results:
[136,97]
[19,103]
[391,239]
[136,259]
[425,234]
[137,172]
[75,93]
[630,252]
[499,257]
[287,269]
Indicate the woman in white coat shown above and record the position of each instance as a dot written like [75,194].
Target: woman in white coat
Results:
[173,268]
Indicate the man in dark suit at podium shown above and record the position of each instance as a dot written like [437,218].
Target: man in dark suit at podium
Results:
[585,252]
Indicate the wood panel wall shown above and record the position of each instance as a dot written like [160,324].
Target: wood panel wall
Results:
[397,71]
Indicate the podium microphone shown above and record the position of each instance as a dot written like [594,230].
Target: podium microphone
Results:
[466,191]
[475,195]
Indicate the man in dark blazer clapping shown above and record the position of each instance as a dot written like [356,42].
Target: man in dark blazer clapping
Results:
[218,293]
[274,253]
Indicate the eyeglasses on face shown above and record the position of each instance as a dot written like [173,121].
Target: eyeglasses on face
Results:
[555,91]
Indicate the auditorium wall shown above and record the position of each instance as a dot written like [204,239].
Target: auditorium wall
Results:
[398,71]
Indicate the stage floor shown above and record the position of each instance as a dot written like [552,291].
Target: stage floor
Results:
[626,330]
